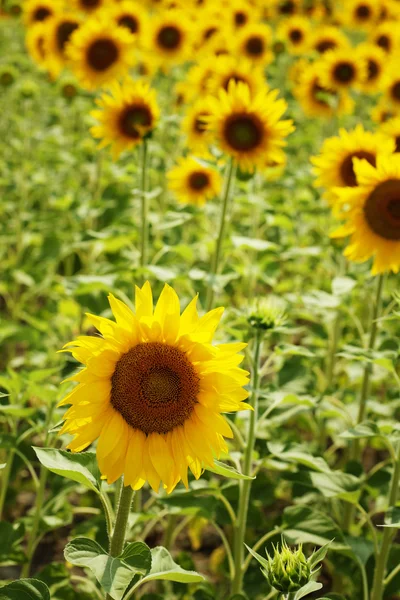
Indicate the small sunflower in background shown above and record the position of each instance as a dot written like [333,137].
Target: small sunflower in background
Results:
[89,6]
[126,114]
[35,43]
[316,99]
[130,15]
[328,38]
[99,54]
[383,112]
[341,70]
[194,183]
[241,12]
[386,36]
[169,38]
[153,390]
[295,32]
[198,78]
[254,42]
[37,11]
[59,30]
[372,214]
[334,166]
[249,128]
[225,69]
[194,127]
[391,83]
[286,8]
[362,14]
[376,59]
[207,29]
[391,129]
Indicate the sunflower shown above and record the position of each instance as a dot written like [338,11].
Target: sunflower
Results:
[168,38]
[341,70]
[89,6]
[57,35]
[334,166]
[254,42]
[225,69]
[241,12]
[37,11]
[195,128]
[249,127]
[391,129]
[35,43]
[362,14]
[328,38]
[295,32]
[131,15]
[318,100]
[286,8]
[127,113]
[194,183]
[99,53]
[386,36]
[382,112]
[375,58]
[198,78]
[391,84]
[152,391]
[373,214]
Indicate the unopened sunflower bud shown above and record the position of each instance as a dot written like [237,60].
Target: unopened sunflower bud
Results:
[266,314]
[288,570]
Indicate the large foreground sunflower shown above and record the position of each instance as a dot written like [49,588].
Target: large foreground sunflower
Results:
[126,114]
[152,391]
[249,128]
[373,214]
[99,54]
[194,183]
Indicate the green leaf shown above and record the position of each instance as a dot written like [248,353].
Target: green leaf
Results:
[137,555]
[113,574]
[298,456]
[263,561]
[10,535]
[341,286]
[163,567]
[25,589]
[220,468]
[302,524]
[392,518]
[253,244]
[318,556]
[366,429]
[81,467]
[309,588]
[15,410]
[331,485]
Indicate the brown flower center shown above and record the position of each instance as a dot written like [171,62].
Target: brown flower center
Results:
[287,8]
[200,125]
[133,119]
[296,36]
[397,140]
[42,13]
[210,32]
[255,46]
[373,69]
[91,4]
[154,387]
[169,37]
[243,132]
[240,18]
[382,210]
[325,45]
[198,180]
[384,42]
[363,12]
[347,168]
[396,91]
[64,32]
[344,72]
[102,54]
[129,22]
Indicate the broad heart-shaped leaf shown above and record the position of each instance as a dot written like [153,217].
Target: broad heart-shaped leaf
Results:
[392,518]
[113,574]
[25,589]
[81,467]
[311,586]
[331,485]
[226,471]
[263,561]
[137,555]
[297,455]
[164,567]
[366,429]
[302,524]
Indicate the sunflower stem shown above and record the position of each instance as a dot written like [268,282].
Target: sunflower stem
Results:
[217,254]
[144,207]
[245,486]
[388,535]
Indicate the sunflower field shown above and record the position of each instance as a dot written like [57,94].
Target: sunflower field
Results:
[199,300]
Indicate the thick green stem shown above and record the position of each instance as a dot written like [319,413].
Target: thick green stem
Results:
[290,596]
[217,254]
[387,538]
[245,486]
[4,481]
[331,359]
[144,208]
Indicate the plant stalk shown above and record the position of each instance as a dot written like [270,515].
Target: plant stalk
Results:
[144,208]
[4,480]
[245,486]
[217,254]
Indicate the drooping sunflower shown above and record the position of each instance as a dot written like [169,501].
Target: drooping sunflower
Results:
[152,391]
[328,38]
[37,11]
[89,6]
[362,14]
[34,41]
[391,83]
[194,183]
[194,126]
[99,54]
[225,69]
[131,15]
[334,168]
[372,216]
[391,129]
[386,36]
[254,42]
[318,100]
[249,127]
[169,38]
[341,70]
[375,58]
[126,114]
[57,35]
[295,32]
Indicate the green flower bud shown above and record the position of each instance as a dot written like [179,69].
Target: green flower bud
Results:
[8,74]
[288,570]
[266,314]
